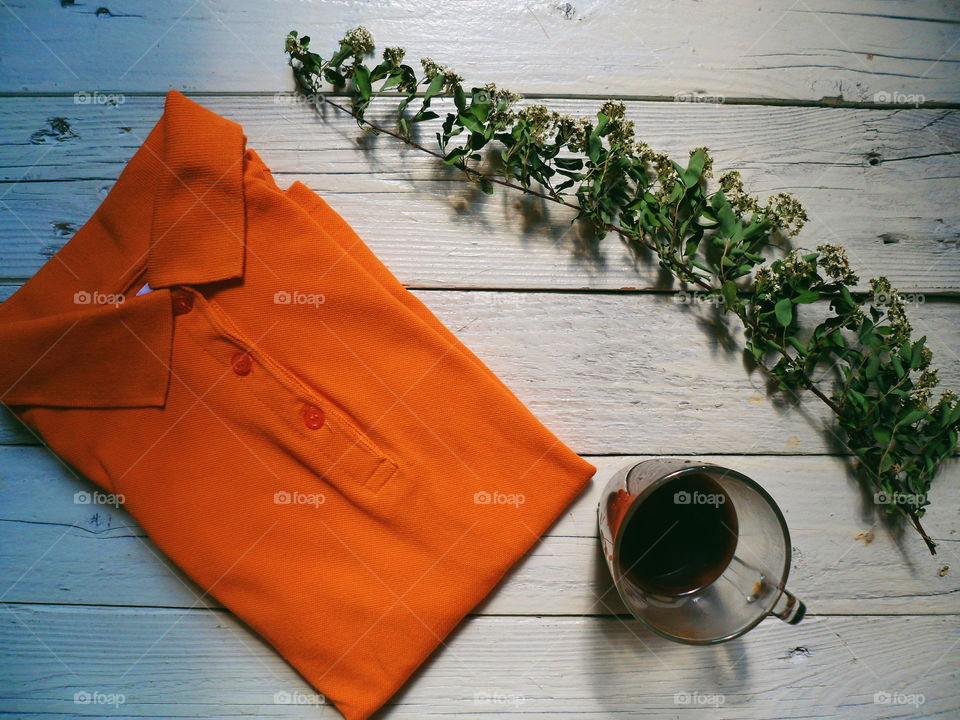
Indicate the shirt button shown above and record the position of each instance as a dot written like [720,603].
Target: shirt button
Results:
[242,365]
[313,417]
[182,302]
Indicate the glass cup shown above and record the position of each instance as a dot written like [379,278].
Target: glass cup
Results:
[699,553]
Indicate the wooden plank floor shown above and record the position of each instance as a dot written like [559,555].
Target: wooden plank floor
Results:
[854,106]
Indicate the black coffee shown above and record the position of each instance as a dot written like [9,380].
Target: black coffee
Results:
[681,538]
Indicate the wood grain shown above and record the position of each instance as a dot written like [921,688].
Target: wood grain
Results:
[778,49]
[202,664]
[881,183]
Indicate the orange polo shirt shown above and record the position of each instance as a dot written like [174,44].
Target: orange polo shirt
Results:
[292,427]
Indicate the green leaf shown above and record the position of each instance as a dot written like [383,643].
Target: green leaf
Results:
[729,224]
[692,243]
[421,116]
[602,121]
[886,462]
[486,185]
[568,163]
[594,147]
[459,99]
[881,435]
[848,300]
[470,123]
[906,354]
[391,81]
[691,176]
[433,89]
[729,292]
[856,397]
[917,354]
[784,311]
[454,156]
[911,417]
[806,296]
[334,78]
[897,367]
[480,110]
[361,81]
[953,416]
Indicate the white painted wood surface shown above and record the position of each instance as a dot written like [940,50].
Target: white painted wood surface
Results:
[595,343]
[173,663]
[443,234]
[794,49]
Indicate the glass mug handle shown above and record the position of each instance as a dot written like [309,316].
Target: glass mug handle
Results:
[788,608]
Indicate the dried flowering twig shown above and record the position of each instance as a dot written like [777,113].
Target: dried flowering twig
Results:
[879,377]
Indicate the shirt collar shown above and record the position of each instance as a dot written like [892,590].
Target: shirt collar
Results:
[175,216]
[198,224]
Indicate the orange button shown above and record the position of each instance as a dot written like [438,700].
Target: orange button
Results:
[182,302]
[242,365]
[313,417]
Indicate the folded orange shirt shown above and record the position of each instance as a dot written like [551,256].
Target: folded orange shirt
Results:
[292,427]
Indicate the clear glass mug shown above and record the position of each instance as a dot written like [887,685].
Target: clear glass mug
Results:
[699,553]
